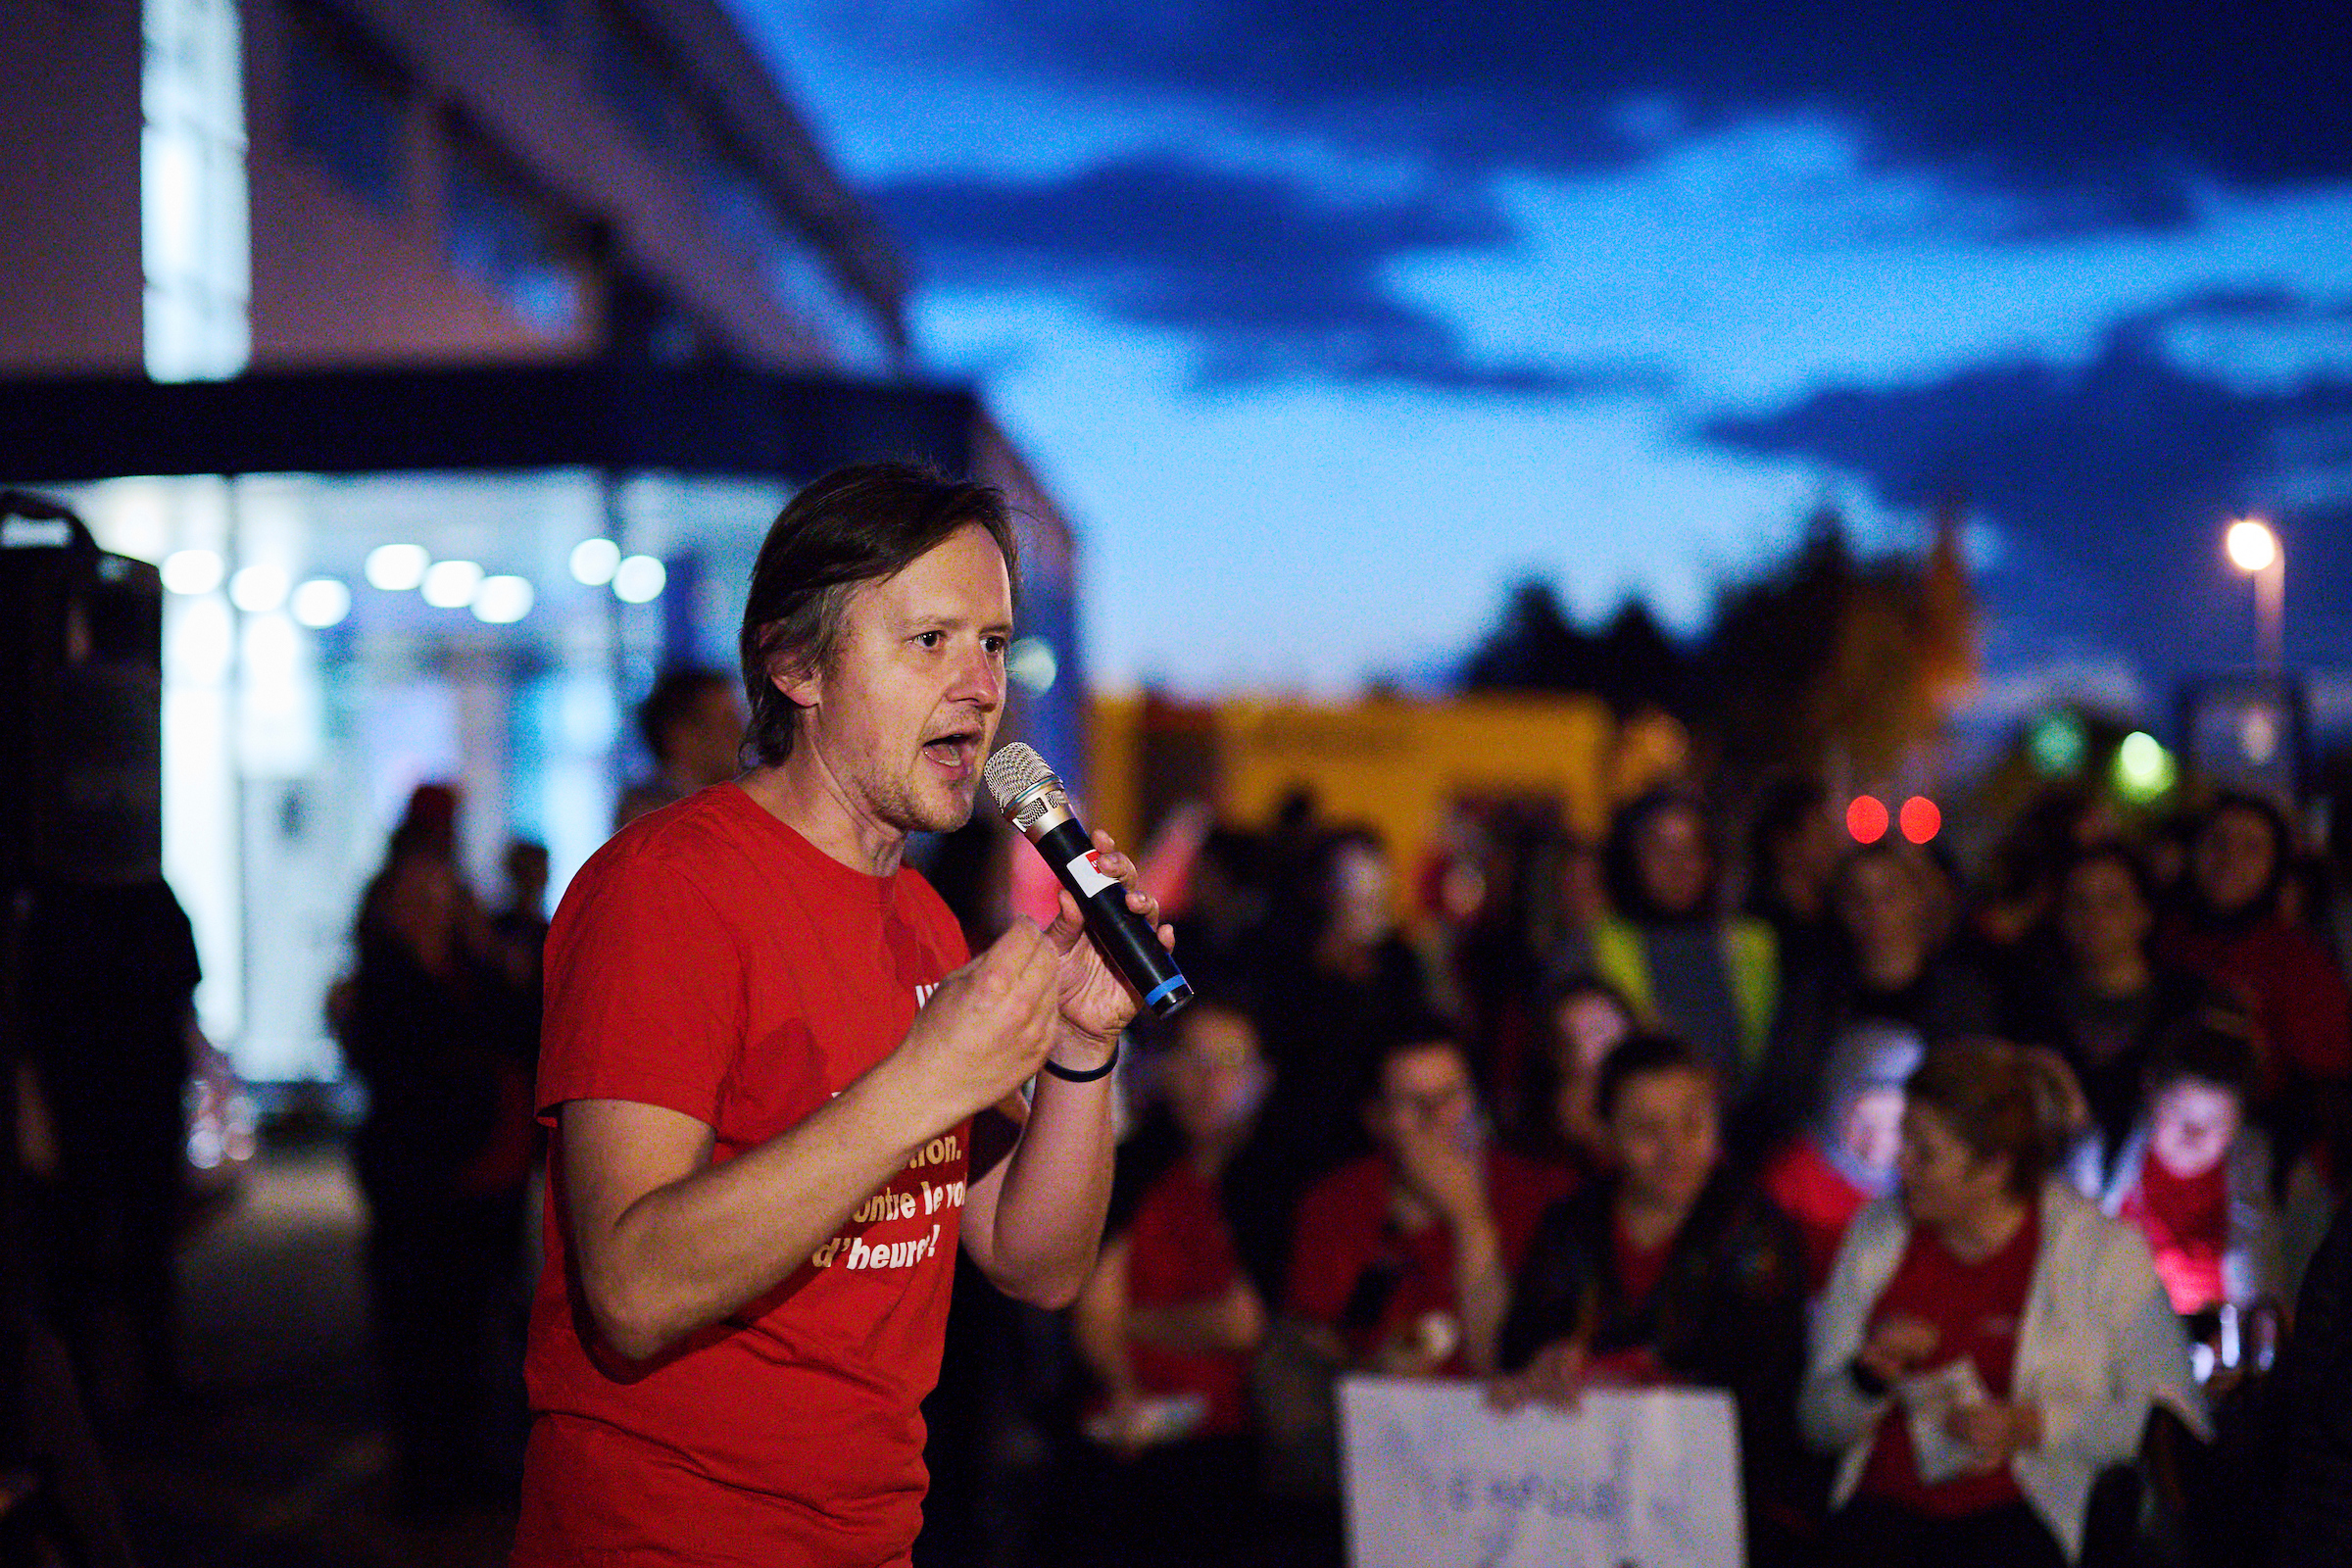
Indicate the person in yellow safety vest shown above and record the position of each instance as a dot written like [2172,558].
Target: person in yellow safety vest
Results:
[1683,965]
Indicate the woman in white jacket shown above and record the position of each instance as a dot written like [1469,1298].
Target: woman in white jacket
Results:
[1988,1341]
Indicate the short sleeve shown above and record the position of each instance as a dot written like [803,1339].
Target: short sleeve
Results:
[644,995]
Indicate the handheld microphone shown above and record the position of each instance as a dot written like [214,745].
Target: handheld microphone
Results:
[1033,800]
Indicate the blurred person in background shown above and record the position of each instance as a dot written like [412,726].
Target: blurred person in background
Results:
[1404,1258]
[2304,1462]
[109,977]
[1587,1020]
[2229,929]
[1337,983]
[2105,1000]
[2193,1177]
[521,927]
[1221,930]
[692,725]
[1988,1342]
[1845,1156]
[1169,1318]
[1684,967]
[442,1156]
[1895,965]
[1669,1270]
[1792,849]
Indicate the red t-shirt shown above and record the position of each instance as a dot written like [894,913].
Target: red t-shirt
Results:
[1976,1308]
[712,960]
[1343,1230]
[1817,1194]
[1179,1252]
[2186,1222]
[1639,1267]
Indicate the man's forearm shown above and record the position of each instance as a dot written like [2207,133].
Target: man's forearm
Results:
[699,1247]
[1049,1218]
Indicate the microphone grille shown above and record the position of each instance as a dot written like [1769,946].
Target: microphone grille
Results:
[1014,772]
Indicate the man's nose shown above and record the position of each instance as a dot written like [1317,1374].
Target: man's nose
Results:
[979,678]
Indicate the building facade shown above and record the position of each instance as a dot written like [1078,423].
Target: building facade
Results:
[451,357]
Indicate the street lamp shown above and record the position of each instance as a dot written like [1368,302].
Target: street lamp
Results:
[2253,548]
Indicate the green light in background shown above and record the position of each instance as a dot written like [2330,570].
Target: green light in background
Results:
[2057,746]
[2143,768]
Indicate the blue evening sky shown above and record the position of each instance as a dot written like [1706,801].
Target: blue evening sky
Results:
[1328,324]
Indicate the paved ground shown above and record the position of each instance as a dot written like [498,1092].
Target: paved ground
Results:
[275,1456]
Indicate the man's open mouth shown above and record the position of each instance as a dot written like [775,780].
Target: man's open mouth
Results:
[955,751]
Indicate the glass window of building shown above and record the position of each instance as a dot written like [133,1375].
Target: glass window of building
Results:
[800,277]
[634,76]
[500,230]
[344,97]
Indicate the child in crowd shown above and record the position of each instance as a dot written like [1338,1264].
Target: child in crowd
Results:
[1845,1157]
[2193,1177]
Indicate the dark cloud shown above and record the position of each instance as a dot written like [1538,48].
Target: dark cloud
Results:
[2091,116]
[2112,479]
[1272,277]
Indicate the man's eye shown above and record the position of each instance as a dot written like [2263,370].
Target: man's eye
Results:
[995,645]
[929,639]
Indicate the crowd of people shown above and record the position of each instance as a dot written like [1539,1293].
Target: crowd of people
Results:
[1987,1200]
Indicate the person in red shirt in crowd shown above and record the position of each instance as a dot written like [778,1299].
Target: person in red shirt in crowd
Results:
[1669,1270]
[1170,1317]
[1988,1342]
[2234,933]
[764,1053]
[1845,1158]
[2195,1179]
[1404,1258]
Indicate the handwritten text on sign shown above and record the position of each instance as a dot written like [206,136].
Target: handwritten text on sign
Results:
[1434,1477]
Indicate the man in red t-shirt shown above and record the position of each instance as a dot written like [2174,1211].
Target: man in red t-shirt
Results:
[1407,1255]
[764,1050]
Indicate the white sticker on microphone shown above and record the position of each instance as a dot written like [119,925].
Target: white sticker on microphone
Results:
[1087,875]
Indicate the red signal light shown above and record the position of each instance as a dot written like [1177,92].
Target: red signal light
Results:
[1921,820]
[1866,819]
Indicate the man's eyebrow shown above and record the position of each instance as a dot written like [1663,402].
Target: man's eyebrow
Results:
[948,620]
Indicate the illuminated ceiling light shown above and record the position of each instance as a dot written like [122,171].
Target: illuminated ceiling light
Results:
[258,589]
[1866,818]
[2143,768]
[593,562]
[320,603]
[503,601]
[2251,545]
[1031,663]
[450,584]
[397,568]
[192,571]
[639,579]
[1921,820]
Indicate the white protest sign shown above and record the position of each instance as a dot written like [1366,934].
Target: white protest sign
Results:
[1433,1478]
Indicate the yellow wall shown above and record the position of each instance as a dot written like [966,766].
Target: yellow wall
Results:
[1397,766]
[1394,765]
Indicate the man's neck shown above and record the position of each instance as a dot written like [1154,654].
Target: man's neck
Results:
[807,797]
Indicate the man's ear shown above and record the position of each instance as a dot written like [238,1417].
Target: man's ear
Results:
[800,687]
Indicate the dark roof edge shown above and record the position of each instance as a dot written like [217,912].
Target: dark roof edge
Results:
[696,419]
